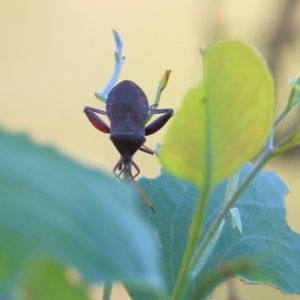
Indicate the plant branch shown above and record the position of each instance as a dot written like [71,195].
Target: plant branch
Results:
[107,291]
[214,227]
[198,220]
[283,114]
[195,231]
[161,86]
[119,61]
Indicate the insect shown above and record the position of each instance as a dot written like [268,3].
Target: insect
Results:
[127,109]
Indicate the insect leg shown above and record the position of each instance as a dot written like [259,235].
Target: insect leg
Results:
[159,122]
[119,166]
[136,168]
[97,122]
[146,149]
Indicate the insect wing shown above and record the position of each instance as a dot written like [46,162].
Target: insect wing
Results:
[127,108]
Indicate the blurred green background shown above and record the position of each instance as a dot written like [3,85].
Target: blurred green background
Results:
[56,54]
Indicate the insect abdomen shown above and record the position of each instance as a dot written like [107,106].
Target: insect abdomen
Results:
[127,144]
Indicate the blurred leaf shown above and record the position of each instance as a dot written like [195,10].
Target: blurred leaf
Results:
[224,120]
[267,241]
[50,206]
[47,280]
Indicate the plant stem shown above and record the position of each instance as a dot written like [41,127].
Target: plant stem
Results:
[195,231]
[282,116]
[127,175]
[119,61]
[160,87]
[107,291]
[108,285]
[231,186]
[198,220]
[214,227]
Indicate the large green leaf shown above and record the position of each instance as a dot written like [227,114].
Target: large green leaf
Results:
[267,241]
[50,206]
[225,120]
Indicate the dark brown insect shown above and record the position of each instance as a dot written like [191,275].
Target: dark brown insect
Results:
[127,108]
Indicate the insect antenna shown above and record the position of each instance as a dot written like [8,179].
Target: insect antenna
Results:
[143,194]
[128,168]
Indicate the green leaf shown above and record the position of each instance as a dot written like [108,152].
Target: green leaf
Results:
[224,120]
[47,280]
[236,221]
[50,206]
[267,241]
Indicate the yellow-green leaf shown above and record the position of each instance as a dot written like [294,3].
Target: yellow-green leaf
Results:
[224,120]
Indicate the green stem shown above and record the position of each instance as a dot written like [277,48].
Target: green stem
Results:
[127,175]
[197,224]
[231,186]
[293,101]
[195,231]
[283,114]
[160,87]
[108,285]
[214,227]
[107,291]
